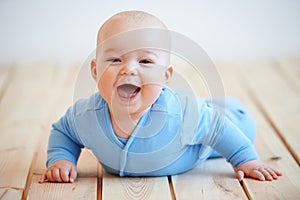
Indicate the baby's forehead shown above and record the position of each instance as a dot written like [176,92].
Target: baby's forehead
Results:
[147,39]
[133,30]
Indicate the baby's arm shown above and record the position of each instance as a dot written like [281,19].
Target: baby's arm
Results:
[63,151]
[239,151]
[258,170]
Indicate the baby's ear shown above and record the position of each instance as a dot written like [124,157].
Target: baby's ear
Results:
[169,73]
[94,69]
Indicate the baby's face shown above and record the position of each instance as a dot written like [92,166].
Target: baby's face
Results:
[130,74]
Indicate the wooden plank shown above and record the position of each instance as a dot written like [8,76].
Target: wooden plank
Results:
[289,68]
[114,187]
[213,179]
[9,194]
[277,100]
[19,122]
[267,143]
[16,146]
[82,188]
[61,99]
[87,164]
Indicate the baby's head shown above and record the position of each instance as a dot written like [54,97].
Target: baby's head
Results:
[132,61]
[126,21]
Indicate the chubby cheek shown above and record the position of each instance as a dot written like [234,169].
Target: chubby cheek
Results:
[151,93]
[105,88]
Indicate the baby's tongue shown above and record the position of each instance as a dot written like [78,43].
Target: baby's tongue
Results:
[127,90]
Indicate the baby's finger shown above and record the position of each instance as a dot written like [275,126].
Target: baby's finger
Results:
[49,175]
[56,175]
[257,175]
[272,173]
[64,174]
[73,174]
[240,175]
[266,174]
[43,178]
[278,173]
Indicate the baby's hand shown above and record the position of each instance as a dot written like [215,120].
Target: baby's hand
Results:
[60,171]
[257,170]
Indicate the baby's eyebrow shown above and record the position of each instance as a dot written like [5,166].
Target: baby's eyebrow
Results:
[115,50]
[150,52]
[111,50]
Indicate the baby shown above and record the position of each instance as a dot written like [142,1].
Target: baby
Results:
[136,126]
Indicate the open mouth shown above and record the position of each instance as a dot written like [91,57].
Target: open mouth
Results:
[128,91]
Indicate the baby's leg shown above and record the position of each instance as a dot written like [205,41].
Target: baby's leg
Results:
[238,115]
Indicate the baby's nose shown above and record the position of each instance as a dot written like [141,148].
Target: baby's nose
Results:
[129,69]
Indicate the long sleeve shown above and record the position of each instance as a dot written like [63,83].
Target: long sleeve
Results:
[63,143]
[224,133]
[234,145]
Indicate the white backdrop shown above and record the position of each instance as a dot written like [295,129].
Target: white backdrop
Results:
[65,30]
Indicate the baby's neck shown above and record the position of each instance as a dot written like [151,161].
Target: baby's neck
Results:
[124,124]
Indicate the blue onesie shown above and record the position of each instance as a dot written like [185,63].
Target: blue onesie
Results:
[175,135]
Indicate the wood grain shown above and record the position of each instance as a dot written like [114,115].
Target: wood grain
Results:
[10,194]
[213,179]
[82,188]
[114,187]
[16,147]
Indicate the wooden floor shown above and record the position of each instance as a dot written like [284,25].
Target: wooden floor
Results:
[34,96]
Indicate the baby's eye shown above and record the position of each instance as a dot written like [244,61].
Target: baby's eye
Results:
[115,60]
[146,61]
